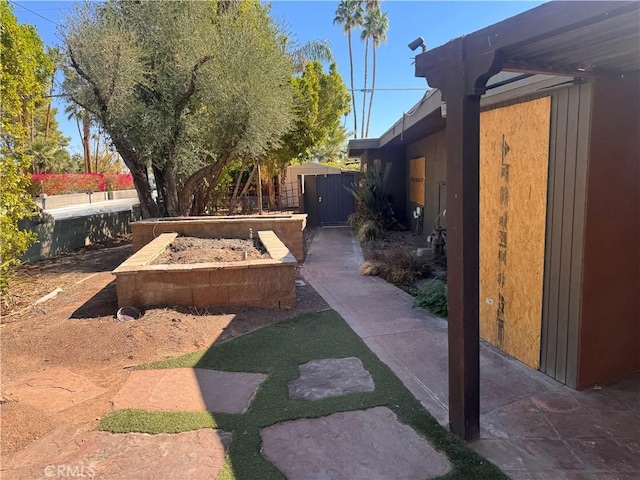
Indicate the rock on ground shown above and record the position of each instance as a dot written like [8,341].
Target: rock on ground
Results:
[189,390]
[359,445]
[330,377]
[66,454]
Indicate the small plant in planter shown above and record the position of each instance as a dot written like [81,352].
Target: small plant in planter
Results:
[374,214]
[433,297]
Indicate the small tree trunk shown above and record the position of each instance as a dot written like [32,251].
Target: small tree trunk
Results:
[234,197]
[96,154]
[48,121]
[364,91]
[247,185]
[259,191]
[373,89]
[189,188]
[86,132]
[353,92]
[271,189]
[148,207]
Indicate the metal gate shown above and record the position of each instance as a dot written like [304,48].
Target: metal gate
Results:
[335,203]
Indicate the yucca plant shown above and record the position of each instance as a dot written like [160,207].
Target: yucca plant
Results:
[371,191]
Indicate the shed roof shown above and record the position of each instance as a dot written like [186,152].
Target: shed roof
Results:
[578,38]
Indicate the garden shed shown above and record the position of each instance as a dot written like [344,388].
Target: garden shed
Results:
[531,143]
[291,186]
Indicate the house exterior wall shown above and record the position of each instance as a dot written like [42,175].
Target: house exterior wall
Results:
[610,328]
[434,150]
[566,200]
[397,191]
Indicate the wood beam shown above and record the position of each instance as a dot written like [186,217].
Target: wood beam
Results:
[462,81]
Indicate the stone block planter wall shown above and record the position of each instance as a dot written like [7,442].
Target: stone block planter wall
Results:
[288,228]
[267,283]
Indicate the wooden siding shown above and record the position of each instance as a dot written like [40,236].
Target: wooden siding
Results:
[416,181]
[568,160]
[434,150]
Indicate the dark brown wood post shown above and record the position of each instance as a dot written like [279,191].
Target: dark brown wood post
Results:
[463,182]
[462,83]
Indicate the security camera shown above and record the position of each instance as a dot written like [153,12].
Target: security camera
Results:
[418,42]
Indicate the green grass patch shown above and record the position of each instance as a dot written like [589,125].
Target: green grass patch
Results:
[277,350]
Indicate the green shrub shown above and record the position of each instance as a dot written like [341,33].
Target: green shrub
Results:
[433,297]
[15,204]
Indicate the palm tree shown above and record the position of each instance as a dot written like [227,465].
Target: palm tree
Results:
[48,157]
[56,56]
[349,15]
[312,51]
[376,24]
[365,35]
[81,115]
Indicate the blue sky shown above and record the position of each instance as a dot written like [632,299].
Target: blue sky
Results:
[436,22]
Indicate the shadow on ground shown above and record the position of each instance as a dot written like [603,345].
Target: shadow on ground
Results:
[102,304]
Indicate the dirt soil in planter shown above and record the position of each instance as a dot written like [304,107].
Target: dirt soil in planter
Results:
[187,250]
[77,329]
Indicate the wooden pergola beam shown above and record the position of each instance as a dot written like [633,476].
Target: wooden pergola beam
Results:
[548,20]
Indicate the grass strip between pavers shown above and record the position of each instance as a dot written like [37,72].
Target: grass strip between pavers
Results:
[277,351]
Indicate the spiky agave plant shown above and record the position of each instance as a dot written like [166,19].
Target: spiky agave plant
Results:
[371,191]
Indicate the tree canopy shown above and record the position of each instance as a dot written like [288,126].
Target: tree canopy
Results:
[181,87]
[24,71]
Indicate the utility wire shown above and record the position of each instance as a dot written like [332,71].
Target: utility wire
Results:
[384,89]
[34,12]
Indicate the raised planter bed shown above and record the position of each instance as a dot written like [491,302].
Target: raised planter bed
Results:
[267,283]
[288,228]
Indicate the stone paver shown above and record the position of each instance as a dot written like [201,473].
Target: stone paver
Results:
[66,453]
[54,389]
[330,377]
[189,390]
[362,444]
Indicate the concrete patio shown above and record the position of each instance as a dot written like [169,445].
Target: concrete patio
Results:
[532,427]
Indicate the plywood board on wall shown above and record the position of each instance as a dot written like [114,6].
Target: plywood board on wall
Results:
[514,158]
[416,180]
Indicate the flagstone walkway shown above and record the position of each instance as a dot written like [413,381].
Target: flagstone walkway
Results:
[367,444]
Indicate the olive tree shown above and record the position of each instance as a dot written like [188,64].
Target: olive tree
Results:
[182,88]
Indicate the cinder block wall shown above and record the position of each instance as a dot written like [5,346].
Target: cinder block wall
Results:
[55,237]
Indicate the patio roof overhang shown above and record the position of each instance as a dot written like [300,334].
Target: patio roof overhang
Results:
[576,39]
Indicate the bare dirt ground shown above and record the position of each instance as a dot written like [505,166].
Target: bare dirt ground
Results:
[187,250]
[77,329]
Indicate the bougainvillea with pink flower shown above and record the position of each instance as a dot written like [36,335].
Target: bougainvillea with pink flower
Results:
[58,184]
